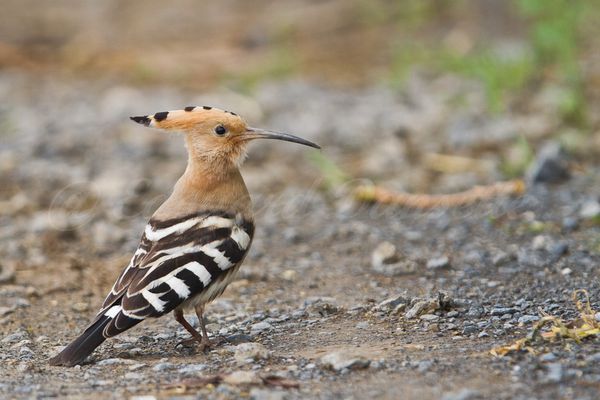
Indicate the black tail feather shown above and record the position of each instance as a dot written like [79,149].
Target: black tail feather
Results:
[83,346]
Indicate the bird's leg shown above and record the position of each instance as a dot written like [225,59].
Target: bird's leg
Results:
[199,314]
[195,335]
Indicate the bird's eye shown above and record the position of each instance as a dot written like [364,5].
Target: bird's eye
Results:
[220,130]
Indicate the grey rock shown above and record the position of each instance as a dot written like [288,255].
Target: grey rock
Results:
[422,307]
[384,253]
[438,263]
[322,308]
[475,312]
[392,303]
[555,373]
[386,260]
[267,394]
[116,361]
[250,351]
[470,330]
[163,366]
[25,353]
[590,209]
[260,327]
[593,358]
[6,310]
[500,258]
[242,378]
[499,311]
[429,317]
[15,337]
[192,368]
[463,394]
[540,242]
[7,273]
[341,360]
[550,165]
[424,366]
[402,267]
[527,319]
[362,325]
[548,357]
[570,223]
[134,376]
[239,338]
[558,249]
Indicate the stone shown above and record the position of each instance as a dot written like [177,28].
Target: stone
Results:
[424,366]
[322,308]
[402,267]
[555,372]
[192,368]
[590,210]
[267,394]
[341,360]
[527,319]
[384,253]
[7,274]
[386,260]
[499,311]
[463,394]
[540,242]
[500,258]
[438,263]
[15,337]
[391,303]
[116,361]
[80,306]
[429,317]
[242,378]
[6,310]
[548,357]
[163,366]
[260,327]
[550,165]
[135,376]
[421,307]
[558,249]
[251,351]
[570,223]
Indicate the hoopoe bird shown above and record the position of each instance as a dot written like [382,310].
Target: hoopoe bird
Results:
[196,240]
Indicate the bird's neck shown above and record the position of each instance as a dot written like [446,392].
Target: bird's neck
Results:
[207,187]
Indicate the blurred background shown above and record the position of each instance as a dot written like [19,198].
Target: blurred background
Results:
[423,96]
[420,96]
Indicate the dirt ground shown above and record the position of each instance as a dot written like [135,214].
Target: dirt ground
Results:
[337,299]
[308,316]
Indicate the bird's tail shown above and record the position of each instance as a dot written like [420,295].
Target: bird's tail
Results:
[83,346]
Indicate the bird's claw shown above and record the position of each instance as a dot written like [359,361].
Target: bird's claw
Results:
[203,344]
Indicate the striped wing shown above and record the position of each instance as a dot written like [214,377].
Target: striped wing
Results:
[176,260]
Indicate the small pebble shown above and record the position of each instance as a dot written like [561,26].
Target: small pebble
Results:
[438,263]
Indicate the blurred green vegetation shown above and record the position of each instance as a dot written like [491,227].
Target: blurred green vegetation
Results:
[333,176]
[554,40]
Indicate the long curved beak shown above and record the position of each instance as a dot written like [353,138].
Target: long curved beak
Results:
[255,133]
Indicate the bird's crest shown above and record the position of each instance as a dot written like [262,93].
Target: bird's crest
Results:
[185,119]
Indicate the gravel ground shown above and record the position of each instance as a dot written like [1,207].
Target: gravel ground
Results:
[336,299]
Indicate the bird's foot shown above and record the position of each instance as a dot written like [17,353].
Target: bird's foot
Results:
[203,344]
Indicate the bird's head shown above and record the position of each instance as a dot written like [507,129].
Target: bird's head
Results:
[214,136]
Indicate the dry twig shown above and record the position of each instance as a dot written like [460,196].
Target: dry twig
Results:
[380,195]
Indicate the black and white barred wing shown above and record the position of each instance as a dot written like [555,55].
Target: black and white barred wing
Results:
[177,261]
